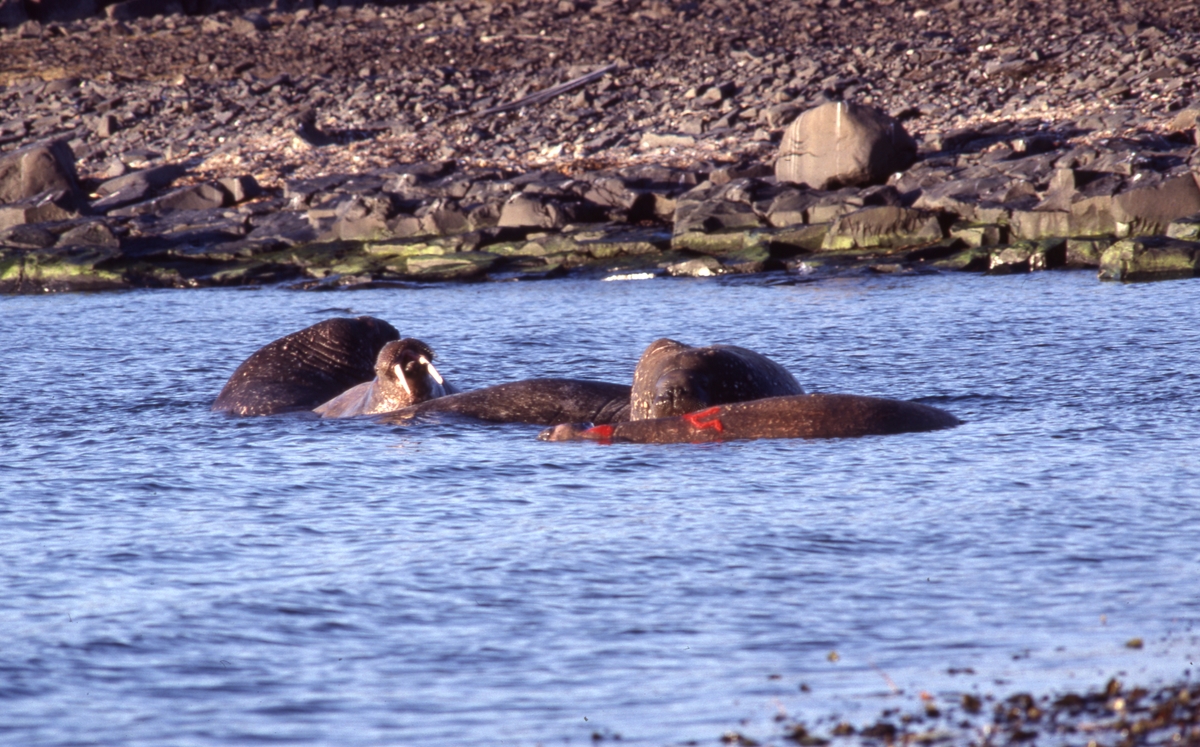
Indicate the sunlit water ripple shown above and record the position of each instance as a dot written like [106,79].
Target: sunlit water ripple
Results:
[175,576]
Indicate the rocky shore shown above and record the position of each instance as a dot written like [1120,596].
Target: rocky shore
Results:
[1115,714]
[368,145]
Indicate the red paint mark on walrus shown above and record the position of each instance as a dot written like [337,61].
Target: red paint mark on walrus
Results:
[599,432]
[698,421]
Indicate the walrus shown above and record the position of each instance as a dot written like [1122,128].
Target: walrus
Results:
[306,368]
[404,375]
[533,401]
[797,416]
[672,378]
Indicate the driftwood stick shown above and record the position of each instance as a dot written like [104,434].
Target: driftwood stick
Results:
[543,96]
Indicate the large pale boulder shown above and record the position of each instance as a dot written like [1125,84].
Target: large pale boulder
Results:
[840,144]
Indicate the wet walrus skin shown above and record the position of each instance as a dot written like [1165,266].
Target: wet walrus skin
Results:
[803,416]
[672,378]
[306,368]
[533,401]
[404,375]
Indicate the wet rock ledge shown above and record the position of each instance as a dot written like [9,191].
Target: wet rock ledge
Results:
[212,165]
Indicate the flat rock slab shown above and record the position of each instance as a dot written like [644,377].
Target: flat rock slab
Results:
[1150,258]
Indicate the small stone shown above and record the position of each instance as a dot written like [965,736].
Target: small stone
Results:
[240,188]
[249,25]
[667,140]
[525,211]
[106,126]
[1185,120]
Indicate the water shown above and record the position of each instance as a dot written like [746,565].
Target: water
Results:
[175,576]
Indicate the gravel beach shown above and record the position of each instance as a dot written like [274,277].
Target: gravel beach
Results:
[331,147]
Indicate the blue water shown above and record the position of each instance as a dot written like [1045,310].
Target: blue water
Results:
[176,576]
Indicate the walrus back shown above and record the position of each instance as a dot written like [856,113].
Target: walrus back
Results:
[307,368]
[535,401]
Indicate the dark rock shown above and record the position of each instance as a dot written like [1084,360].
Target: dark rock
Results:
[960,196]
[526,211]
[883,226]
[1144,211]
[843,144]
[106,126]
[27,236]
[975,235]
[196,197]
[56,205]
[1085,252]
[363,217]
[781,114]
[832,205]
[287,227]
[93,233]
[240,188]
[443,218]
[791,207]
[714,215]
[35,169]
[135,187]
[1040,224]
[58,269]
[1185,120]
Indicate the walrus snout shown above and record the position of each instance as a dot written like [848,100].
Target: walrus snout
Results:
[565,432]
[409,364]
[676,393]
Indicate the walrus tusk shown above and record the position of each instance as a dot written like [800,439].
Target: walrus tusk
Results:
[432,371]
[403,381]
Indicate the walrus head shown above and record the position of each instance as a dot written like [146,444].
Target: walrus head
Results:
[408,365]
[677,392]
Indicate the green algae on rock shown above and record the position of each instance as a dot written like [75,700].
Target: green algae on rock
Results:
[1150,258]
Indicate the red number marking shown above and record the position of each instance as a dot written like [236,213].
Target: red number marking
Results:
[599,432]
[698,421]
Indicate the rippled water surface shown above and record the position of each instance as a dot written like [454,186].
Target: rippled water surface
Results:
[176,576]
